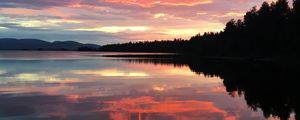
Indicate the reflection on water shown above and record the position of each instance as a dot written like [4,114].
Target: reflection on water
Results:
[86,86]
[265,86]
[145,107]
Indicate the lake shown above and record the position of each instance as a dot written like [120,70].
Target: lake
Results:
[40,85]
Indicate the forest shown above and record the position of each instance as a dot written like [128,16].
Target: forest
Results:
[169,46]
[265,32]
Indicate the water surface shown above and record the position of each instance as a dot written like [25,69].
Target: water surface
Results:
[36,85]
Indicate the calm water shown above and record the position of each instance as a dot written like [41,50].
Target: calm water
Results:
[86,86]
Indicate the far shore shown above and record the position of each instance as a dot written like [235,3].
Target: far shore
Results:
[287,60]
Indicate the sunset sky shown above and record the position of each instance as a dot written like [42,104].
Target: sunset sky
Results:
[113,21]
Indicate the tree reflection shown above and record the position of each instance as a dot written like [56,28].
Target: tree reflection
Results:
[267,86]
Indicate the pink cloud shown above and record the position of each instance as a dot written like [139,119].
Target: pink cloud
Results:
[148,3]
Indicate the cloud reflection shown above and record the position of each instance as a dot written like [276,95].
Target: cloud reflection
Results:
[2,72]
[101,89]
[111,73]
[144,106]
[36,77]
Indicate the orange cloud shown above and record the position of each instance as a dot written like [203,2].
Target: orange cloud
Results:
[59,13]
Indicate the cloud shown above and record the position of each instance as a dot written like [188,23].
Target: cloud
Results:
[35,4]
[114,29]
[147,3]
[159,15]
[130,19]
[20,27]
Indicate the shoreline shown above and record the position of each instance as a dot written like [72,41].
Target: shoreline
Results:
[284,60]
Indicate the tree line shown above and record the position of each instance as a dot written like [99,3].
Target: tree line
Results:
[270,31]
[171,46]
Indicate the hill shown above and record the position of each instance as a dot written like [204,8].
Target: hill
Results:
[36,44]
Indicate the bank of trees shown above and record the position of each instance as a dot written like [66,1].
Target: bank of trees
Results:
[176,45]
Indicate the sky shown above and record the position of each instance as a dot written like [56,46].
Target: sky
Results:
[115,21]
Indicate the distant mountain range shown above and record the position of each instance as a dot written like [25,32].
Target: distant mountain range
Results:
[36,44]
